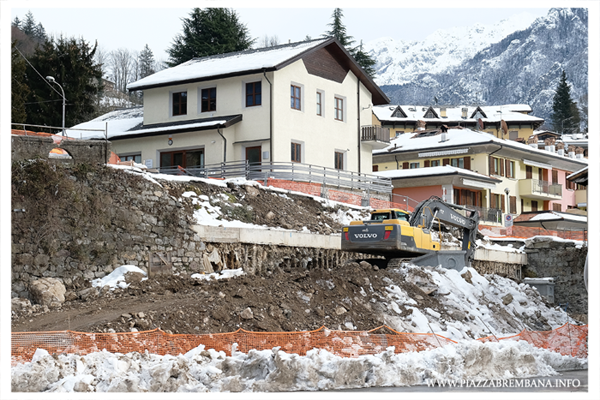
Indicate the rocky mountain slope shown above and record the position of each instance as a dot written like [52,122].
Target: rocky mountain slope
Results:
[481,66]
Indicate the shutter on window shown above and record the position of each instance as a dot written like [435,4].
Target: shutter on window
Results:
[513,204]
[554,176]
[507,168]
[404,165]
[491,165]
[528,172]
[426,163]
[468,163]
[492,200]
[503,200]
[501,166]
[445,161]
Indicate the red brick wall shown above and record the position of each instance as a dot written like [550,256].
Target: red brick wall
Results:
[529,231]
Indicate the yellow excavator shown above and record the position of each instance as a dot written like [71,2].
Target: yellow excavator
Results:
[398,235]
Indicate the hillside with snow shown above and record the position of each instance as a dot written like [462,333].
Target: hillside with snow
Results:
[517,61]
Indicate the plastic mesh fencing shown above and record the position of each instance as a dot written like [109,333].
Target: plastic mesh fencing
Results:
[567,340]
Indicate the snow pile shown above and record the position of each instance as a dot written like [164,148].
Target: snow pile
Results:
[487,244]
[466,306]
[117,277]
[202,370]
[224,274]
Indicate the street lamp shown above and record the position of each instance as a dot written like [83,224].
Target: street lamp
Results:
[507,191]
[52,80]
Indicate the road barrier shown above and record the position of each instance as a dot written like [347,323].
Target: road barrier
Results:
[566,340]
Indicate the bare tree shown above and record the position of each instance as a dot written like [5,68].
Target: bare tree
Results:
[123,68]
[269,41]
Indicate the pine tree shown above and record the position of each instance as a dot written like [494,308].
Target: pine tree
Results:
[364,60]
[19,88]
[16,22]
[565,114]
[146,62]
[28,26]
[208,32]
[338,30]
[40,33]
[71,62]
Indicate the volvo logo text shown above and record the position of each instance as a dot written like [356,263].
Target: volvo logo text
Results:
[458,219]
[365,235]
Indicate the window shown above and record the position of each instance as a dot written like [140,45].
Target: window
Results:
[375,168]
[209,100]
[466,197]
[339,160]
[528,172]
[295,91]
[319,103]
[339,109]
[496,166]
[296,152]
[137,158]
[457,162]
[556,207]
[435,163]
[510,169]
[183,158]
[414,165]
[497,201]
[253,94]
[554,177]
[180,103]
[534,205]
[513,204]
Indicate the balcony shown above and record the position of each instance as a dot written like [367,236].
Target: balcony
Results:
[375,136]
[488,215]
[581,196]
[539,190]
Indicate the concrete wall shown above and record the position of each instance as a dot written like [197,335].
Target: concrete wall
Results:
[563,262]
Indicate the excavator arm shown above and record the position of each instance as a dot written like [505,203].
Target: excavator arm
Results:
[434,208]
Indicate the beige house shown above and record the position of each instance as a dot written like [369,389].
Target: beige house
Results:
[306,102]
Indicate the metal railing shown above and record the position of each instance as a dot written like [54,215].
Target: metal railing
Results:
[291,171]
[488,214]
[375,133]
[546,187]
[404,202]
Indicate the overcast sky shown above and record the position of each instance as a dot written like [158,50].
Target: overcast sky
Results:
[132,27]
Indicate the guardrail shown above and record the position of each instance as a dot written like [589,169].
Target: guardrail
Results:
[489,214]
[377,133]
[546,187]
[291,171]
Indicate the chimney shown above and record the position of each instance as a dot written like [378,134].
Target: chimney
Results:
[579,152]
[532,141]
[420,125]
[443,112]
[465,111]
[550,144]
[560,148]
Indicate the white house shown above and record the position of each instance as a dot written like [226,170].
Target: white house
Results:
[307,102]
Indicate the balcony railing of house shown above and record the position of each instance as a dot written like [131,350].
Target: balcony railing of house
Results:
[488,214]
[291,171]
[376,133]
[539,186]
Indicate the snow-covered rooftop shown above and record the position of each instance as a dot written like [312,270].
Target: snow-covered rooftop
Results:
[508,112]
[413,141]
[230,63]
[553,216]
[417,172]
[115,122]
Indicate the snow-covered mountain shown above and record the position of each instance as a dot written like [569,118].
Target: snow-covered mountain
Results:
[515,61]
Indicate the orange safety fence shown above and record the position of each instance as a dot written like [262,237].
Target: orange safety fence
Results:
[568,339]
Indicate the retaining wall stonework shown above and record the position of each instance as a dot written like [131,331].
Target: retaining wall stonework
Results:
[81,151]
[564,262]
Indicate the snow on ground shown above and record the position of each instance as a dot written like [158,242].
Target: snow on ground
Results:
[117,277]
[485,306]
[201,370]
[224,274]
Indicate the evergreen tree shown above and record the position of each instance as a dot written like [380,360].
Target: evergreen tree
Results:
[338,29]
[40,33]
[16,22]
[364,60]
[208,32]
[71,62]
[146,62]
[19,88]
[565,114]
[28,26]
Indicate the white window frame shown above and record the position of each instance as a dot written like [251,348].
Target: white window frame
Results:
[344,108]
[322,93]
[344,159]
[302,96]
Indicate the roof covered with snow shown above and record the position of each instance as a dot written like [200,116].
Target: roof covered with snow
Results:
[508,113]
[431,142]
[251,62]
[433,171]
[115,123]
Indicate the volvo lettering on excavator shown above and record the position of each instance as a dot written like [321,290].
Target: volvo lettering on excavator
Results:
[398,235]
